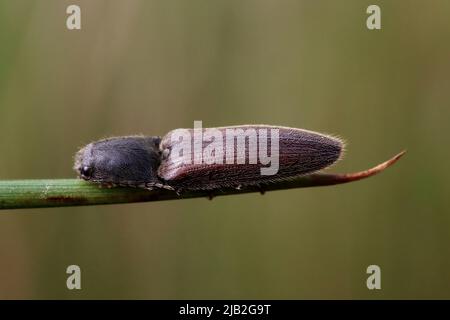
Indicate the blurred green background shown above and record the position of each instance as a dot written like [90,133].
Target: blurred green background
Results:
[152,66]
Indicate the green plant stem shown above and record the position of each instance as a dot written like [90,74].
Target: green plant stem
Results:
[15,194]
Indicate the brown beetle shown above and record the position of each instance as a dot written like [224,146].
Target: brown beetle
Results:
[209,158]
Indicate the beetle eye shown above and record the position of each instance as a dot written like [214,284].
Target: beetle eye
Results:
[86,171]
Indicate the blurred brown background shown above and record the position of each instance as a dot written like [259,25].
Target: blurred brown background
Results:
[151,66]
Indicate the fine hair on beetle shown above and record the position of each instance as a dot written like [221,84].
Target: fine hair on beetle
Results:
[208,158]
